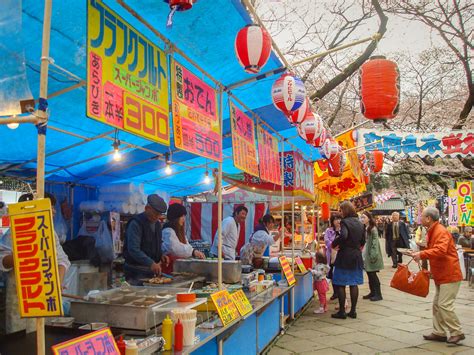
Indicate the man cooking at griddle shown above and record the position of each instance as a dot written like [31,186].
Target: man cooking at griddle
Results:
[143,239]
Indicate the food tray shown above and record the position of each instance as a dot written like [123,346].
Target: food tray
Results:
[231,269]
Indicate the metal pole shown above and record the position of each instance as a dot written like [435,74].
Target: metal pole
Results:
[282,161]
[314,231]
[41,113]
[219,212]
[19,120]
[293,234]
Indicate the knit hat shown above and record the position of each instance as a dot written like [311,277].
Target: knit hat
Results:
[176,210]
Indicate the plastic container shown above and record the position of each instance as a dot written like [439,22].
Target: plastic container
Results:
[121,346]
[185,297]
[189,331]
[167,332]
[131,348]
[178,336]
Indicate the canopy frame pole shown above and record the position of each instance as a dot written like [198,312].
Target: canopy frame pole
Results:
[42,115]
[19,120]
[219,209]
[282,161]
[314,230]
[293,234]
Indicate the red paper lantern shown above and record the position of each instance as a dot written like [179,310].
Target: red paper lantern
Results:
[376,161]
[311,127]
[318,142]
[325,211]
[330,148]
[379,89]
[365,168]
[253,46]
[288,93]
[182,5]
[299,115]
[337,164]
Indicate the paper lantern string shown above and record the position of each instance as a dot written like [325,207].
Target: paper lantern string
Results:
[169,22]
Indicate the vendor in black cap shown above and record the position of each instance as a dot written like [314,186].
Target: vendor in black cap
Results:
[142,246]
[175,243]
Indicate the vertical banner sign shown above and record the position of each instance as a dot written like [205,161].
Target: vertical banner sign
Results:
[127,84]
[465,213]
[225,307]
[298,175]
[453,207]
[269,161]
[244,150]
[34,252]
[98,342]
[195,114]
[285,266]
[241,302]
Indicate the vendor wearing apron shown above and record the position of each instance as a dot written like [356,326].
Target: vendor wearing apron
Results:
[142,245]
[13,321]
[259,241]
[230,233]
[175,244]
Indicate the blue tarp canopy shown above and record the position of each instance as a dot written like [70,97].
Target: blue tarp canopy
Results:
[206,34]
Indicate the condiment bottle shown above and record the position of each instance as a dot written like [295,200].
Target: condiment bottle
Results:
[131,348]
[121,345]
[178,336]
[167,332]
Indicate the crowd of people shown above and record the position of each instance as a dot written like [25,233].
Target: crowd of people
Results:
[352,245]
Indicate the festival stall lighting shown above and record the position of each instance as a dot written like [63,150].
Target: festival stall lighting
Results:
[207,179]
[117,155]
[168,169]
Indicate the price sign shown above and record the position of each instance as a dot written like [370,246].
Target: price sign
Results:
[300,264]
[127,78]
[195,114]
[242,302]
[226,308]
[34,252]
[98,342]
[285,265]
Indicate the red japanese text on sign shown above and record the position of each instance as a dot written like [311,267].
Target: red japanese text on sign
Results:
[34,251]
[195,115]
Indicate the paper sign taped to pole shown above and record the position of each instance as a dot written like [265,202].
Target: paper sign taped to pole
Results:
[35,262]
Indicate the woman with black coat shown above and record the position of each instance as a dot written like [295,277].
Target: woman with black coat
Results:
[348,266]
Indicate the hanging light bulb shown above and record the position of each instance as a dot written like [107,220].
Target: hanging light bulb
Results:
[207,179]
[168,169]
[117,155]
[13,125]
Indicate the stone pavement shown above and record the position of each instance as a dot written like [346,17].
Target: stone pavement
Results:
[392,326]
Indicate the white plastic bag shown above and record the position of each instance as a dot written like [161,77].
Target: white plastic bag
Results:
[104,244]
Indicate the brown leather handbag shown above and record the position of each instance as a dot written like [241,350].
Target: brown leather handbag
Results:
[414,283]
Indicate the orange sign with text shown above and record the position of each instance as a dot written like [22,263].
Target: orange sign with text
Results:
[285,265]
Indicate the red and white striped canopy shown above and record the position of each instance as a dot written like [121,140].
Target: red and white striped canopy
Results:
[253,46]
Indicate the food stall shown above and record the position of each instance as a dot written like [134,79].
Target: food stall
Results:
[79,162]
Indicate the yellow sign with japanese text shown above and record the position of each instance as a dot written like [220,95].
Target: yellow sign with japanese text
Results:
[285,266]
[127,76]
[242,302]
[226,308]
[35,263]
[99,342]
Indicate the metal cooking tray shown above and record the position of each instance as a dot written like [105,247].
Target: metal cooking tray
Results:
[231,269]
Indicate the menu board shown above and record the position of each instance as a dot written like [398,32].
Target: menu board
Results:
[244,150]
[98,342]
[226,308]
[242,303]
[195,114]
[34,251]
[268,157]
[127,80]
[285,265]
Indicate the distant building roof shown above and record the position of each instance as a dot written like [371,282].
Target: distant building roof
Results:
[392,205]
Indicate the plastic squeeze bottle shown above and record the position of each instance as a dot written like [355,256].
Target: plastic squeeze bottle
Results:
[178,336]
[167,332]
[121,345]
[131,348]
